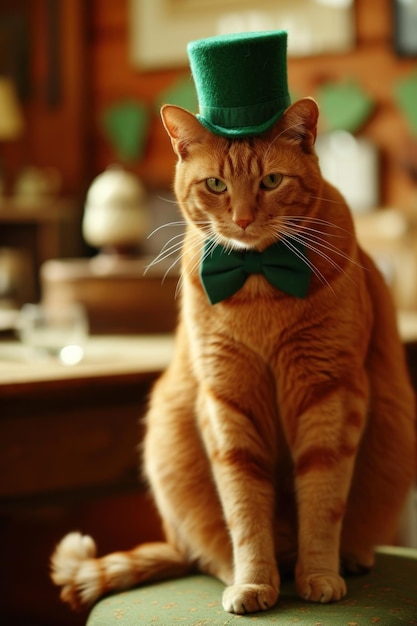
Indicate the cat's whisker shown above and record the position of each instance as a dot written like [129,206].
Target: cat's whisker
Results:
[331,248]
[324,256]
[285,234]
[169,244]
[310,237]
[168,200]
[301,228]
[309,245]
[296,235]
[176,224]
[163,255]
[173,264]
[178,287]
[215,240]
[306,260]
[327,200]
[299,234]
[314,232]
[315,220]
[158,228]
[229,247]
[193,263]
[191,267]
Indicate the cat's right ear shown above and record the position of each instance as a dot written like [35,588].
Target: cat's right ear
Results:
[183,128]
[300,120]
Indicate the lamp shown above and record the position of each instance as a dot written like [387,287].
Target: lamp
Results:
[11,116]
[115,215]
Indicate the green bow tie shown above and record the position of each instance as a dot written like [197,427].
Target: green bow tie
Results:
[223,272]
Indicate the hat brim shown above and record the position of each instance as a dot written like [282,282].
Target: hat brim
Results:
[241,131]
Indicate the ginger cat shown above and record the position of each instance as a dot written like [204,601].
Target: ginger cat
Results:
[283,432]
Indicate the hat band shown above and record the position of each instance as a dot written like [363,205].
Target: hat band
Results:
[253,115]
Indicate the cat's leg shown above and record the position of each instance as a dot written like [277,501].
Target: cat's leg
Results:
[324,437]
[242,466]
[180,476]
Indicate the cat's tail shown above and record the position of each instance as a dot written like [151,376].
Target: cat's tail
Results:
[84,578]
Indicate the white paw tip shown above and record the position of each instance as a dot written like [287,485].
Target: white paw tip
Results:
[77,546]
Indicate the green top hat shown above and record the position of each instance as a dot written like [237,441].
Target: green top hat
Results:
[241,81]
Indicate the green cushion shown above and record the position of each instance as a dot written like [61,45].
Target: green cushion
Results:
[387,597]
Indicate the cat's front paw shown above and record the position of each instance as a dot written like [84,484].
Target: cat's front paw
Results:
[249,598]
[321,587]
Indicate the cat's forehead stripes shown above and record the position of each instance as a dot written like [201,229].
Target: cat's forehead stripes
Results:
[240,159]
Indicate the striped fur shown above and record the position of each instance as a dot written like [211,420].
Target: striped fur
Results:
[283,432]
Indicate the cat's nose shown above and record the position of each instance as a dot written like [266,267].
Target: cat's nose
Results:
[243,222]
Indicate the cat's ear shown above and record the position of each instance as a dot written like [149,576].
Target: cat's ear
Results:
[300,121]
[183,128]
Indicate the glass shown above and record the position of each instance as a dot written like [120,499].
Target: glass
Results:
[58,331]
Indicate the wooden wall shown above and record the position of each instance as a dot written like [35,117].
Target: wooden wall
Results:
[376,66]
[96,72]
[56,130]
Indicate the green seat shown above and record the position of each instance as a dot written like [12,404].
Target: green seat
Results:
[386,597]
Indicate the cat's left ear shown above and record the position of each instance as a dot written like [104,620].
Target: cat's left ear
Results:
[300,120]
[183,128]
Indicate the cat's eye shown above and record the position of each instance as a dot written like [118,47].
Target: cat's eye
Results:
[271,181]
[216,185]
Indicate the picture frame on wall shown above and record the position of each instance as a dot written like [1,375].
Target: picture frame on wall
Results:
[405,27]
[161,29]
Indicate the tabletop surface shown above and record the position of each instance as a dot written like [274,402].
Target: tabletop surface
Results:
[104,356]
[112,355]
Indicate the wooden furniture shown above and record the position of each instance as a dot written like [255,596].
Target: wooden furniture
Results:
[43,230]
[63,428]
[118,295]
[69,459]
[50,57]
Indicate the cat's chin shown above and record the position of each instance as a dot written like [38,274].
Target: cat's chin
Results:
[246,245]
[240,245]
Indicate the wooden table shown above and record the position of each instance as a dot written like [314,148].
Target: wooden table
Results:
[64,428]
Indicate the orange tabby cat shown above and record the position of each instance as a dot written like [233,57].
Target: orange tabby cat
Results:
[283,432]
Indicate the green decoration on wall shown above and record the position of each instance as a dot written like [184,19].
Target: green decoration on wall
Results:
[405,91]
[344,106]
[126,126]
[181,92]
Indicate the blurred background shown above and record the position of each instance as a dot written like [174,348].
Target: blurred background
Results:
[85,175]
[81,84]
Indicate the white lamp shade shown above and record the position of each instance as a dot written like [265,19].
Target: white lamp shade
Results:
[115,212]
